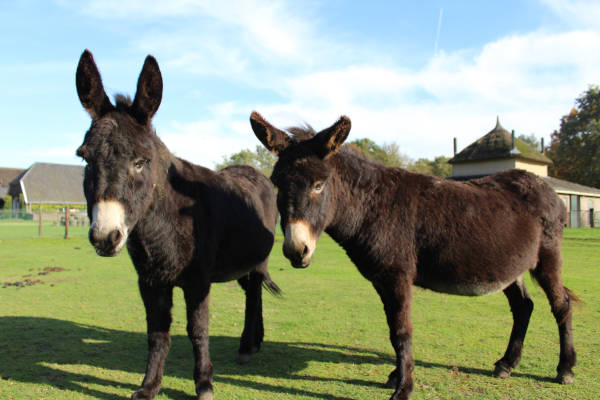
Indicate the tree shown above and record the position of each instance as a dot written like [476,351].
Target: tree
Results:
[261,159]
[575,147]
[530,140]
[438,166]
[388,154]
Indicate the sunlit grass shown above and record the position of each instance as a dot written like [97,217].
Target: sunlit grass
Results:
[80,332]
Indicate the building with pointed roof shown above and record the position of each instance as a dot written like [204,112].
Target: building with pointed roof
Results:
[496,151]
[499,150]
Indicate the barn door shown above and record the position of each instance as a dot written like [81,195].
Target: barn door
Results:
[575,211]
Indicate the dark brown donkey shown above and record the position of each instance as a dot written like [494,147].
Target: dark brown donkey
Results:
[184,225]
[402,228]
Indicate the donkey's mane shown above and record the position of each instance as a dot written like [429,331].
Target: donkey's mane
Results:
[306,132]
[123,102]
[301,133]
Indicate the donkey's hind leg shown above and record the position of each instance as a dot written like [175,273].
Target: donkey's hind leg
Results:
[253,333]
[521,307]
[548,275]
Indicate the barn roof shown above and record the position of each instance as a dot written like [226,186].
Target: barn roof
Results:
[497,144]
[566,187]
[53,184]
[8,174]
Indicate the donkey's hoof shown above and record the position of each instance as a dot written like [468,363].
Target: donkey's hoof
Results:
[243,359]
[501,371]
[141,394]
[206,396]
[391,381]
[565,378]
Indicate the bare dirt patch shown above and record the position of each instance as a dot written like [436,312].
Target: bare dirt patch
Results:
[30,279]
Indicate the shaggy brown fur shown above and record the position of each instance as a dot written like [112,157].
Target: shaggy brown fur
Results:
[185,225]
[402,228]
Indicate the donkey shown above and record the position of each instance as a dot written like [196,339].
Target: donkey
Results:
[402,228]
[183,225]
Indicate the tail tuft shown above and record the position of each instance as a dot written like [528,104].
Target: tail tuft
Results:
[271,286]
[572,296]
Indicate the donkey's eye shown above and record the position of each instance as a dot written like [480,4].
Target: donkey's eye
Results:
[318,187]
[139,164]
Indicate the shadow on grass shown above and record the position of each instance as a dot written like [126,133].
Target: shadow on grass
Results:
[29,346]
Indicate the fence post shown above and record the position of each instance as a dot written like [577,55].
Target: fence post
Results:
[67,212]
[40,226]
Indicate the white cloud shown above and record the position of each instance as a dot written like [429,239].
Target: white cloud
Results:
[578,13]
[207,142]
[269,30]
[530,80]
[518,69]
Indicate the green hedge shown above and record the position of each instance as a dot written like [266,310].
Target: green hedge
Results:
[7,202]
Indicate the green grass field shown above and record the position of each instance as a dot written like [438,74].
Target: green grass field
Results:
[72,326]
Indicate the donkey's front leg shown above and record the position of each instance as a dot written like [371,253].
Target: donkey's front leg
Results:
[196,300]
[158,303]
[396,298]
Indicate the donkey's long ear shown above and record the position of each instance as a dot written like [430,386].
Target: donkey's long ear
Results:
[273,139]
[149,92]
[329,140]
[89,87]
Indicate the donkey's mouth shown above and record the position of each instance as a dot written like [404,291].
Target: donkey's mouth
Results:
[297,259]
[107,252]
[110,245]
[299,262]
[301,265]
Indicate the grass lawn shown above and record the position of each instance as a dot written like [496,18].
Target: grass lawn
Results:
[72,326]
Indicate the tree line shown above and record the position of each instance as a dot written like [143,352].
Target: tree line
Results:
[574,148]
[388,153]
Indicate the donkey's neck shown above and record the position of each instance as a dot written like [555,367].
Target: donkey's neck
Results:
[161,206]
[357,182]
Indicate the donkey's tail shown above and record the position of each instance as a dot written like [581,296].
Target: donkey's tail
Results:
[572,296]
[270,286]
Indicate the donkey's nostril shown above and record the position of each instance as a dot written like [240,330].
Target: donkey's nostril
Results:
[115,237]
[305,251]
[93,235]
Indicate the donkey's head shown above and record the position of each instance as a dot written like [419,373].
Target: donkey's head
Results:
[120,150]
[303,175]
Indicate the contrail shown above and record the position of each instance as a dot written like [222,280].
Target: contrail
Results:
[439,27]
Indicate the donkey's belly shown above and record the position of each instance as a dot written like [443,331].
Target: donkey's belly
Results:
[465,288]
[226,274]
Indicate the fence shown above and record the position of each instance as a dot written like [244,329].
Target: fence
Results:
[583,219]
[77,217]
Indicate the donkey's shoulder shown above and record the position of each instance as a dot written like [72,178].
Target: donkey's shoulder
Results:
[248,178]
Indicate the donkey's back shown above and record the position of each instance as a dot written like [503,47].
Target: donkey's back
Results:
[477,237]
[245,222]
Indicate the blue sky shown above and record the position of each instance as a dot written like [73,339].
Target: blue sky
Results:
[382,63]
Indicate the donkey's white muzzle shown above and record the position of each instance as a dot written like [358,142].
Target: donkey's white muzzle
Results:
[299,244]
[108,232]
